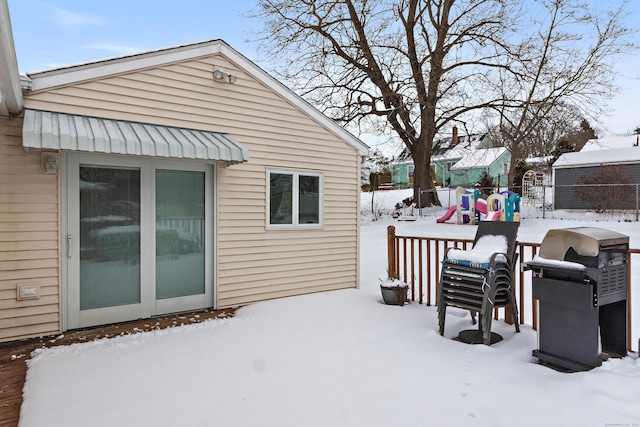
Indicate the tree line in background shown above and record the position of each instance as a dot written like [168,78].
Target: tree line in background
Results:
[412,69]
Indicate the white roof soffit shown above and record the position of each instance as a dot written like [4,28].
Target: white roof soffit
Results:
[58,131]
[94,70]
[11,101]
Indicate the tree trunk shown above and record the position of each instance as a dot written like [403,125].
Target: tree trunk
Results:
[424,193]
[515,155]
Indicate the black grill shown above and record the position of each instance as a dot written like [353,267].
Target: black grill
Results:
[584,293]
[613,284]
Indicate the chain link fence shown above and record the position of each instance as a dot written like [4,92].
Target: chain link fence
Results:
[596,202]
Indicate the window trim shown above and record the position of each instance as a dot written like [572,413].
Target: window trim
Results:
[295,191]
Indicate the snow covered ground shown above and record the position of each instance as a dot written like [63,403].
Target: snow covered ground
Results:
[341,358]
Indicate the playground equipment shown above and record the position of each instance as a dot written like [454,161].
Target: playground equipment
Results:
[506,203]
[470,208]
[466,205]
[447,215]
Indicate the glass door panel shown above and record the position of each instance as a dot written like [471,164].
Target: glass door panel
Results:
[139,238]
[180,233]
[109,237]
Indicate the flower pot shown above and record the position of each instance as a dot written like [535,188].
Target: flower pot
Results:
[394,294]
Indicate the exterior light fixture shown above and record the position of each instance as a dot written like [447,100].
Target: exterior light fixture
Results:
[49,162]
[221,76]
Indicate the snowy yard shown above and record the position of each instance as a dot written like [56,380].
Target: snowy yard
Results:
[332,359]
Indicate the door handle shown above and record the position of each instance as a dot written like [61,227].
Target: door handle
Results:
[68,245]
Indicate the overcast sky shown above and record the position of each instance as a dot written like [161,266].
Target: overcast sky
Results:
[52,33]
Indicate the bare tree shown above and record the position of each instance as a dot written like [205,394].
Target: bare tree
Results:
[563,124]
[415,67]
[568,60]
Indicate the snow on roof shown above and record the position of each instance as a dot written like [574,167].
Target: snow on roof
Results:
[593,157]
[479,158]
[464,147]
[537,160]
[610,143]
[442,149]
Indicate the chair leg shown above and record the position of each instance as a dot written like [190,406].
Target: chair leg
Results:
[486,332]
[514,312]
[442,309]
[484,327]
[442,312]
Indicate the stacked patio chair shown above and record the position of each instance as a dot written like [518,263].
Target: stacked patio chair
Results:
[482,278]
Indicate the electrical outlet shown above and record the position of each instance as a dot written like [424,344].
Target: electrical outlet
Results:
[28,291]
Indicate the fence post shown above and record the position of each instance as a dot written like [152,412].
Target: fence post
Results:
[637,213]
[391,251]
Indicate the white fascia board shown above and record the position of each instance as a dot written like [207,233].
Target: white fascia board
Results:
[11,101]
[94,70]
[587,164]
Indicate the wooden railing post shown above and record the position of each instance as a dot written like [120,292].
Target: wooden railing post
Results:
[391,251]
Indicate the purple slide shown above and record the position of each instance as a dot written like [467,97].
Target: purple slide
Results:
[447,215]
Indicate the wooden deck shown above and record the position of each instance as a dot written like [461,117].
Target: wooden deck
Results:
[14,355]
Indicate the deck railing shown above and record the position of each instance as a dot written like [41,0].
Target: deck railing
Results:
[416,261]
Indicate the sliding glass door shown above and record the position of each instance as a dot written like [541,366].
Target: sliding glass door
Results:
[182,230]
[138,238]
[109,238]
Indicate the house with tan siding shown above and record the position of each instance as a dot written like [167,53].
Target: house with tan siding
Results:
[167,181]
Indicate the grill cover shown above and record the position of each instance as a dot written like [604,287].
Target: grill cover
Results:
[585,241]
[602,252]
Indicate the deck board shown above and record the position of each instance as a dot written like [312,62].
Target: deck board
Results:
[14,354]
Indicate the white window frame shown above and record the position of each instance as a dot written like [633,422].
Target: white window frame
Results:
[295,214]
[149,306]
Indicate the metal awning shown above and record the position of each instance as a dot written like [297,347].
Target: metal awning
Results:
[58,131]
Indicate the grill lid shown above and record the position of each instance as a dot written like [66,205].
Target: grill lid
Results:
[585,241]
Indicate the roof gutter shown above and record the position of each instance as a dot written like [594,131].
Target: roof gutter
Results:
[11,101]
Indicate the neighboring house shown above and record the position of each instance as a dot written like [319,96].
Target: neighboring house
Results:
[402,170]
[458,161]
[468,171]
[611,143]
[173,180]
[572,168]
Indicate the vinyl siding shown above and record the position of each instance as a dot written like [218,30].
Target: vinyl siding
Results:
[28,238]
[567,178]
[253,263]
